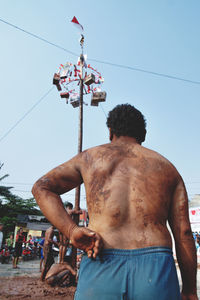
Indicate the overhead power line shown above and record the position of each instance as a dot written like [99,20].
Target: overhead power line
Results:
[191,194]
[65,195]
[25,191]
[103,110]
[17,183]
[25,183]
[101,61]
[37,37]
[145,71]
[26,114]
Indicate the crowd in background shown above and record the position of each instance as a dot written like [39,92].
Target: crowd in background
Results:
[27,248]
[196,236]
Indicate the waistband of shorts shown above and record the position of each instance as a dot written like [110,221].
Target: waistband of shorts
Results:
[135,252]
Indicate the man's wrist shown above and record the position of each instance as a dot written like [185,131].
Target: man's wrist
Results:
[71,230]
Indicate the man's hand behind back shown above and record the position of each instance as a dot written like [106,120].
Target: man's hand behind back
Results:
[87,240]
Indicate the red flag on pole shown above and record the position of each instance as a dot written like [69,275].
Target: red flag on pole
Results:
[77,24]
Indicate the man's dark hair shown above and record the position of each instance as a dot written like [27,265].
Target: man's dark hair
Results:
[68,204]
[126,120]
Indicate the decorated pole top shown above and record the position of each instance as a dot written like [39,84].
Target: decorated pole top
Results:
[67,78]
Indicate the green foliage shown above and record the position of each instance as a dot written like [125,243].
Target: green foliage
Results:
[12,205]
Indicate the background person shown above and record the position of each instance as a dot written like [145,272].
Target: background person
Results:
[41,245]
[9,242]
[47,252]
[64,241]
[20,239]
[30,240]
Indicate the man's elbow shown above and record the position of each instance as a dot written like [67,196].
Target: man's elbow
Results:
[188,233]
[185,235]
[41,188]
[36,189]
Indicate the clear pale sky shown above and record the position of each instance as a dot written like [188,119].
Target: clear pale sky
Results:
[158,36]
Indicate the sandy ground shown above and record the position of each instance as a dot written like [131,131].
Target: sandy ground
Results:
[24,288]
[24,284]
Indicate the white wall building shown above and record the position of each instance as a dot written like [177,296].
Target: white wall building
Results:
[194,213]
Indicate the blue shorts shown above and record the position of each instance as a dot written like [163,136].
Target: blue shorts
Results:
[141,274]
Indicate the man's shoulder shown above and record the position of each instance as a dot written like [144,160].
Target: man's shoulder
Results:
[98,147]
[159,159]
[91,156]
[93,151]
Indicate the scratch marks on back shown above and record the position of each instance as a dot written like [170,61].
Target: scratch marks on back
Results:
[98,193]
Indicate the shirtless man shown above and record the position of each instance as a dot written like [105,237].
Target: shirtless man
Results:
[61,274]
[131,193]
[20,239]
[64,241]
[47,252]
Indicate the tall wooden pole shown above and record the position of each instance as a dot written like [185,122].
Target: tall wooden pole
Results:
[80,135]
[80,143]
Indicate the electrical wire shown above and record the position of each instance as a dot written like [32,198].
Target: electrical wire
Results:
[192,193]
[28,112]
[103,110]
[101,61]
[23,183]
[17,183]
[38,37]
[82,197]
[145,71]
[25,191]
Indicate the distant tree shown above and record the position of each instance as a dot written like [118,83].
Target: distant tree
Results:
[12,205]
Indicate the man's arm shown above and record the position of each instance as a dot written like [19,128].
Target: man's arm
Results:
[47,191]
[184,242]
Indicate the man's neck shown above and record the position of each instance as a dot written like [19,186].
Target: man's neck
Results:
[124,139]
